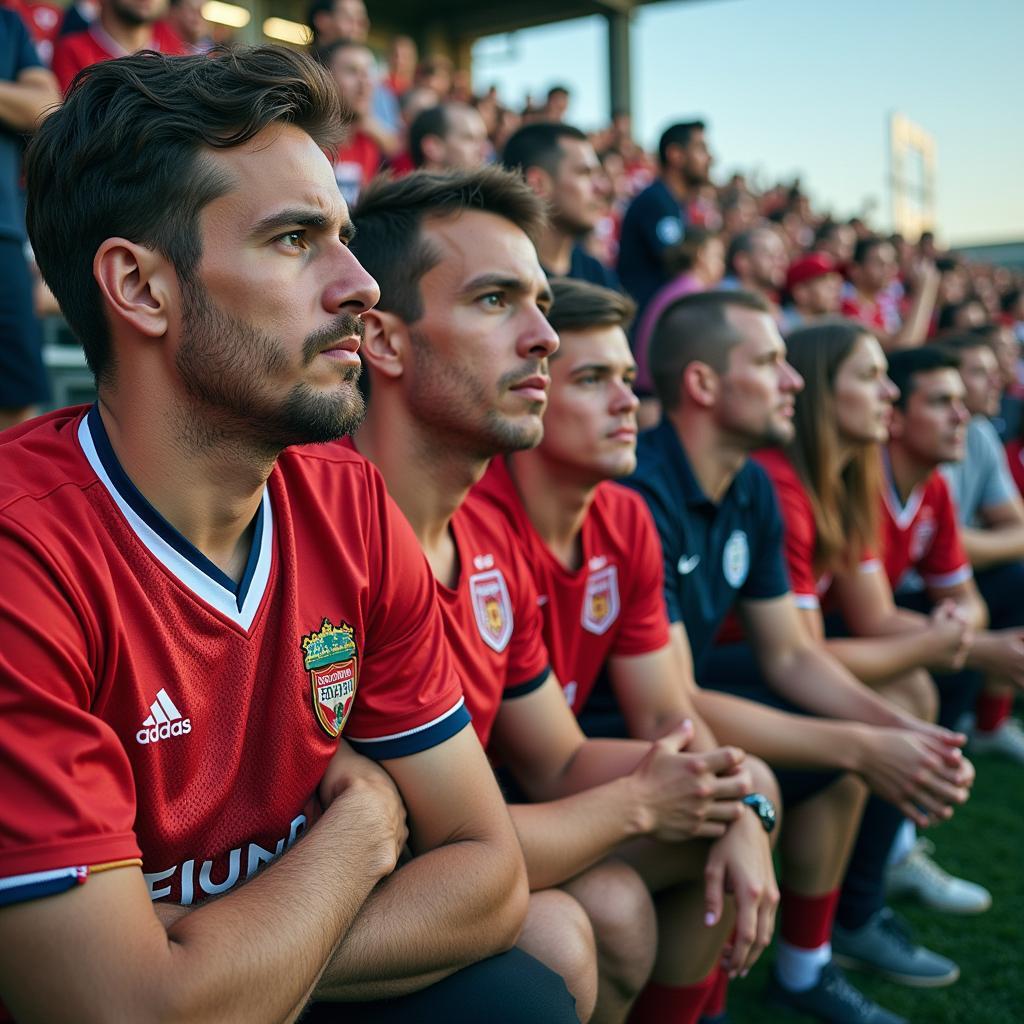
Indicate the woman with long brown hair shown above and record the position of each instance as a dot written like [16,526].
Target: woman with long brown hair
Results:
[829,484]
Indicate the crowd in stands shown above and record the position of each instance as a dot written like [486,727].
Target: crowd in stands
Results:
[821,533]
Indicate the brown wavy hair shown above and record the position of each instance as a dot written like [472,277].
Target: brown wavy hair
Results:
[844,497]
[124,157]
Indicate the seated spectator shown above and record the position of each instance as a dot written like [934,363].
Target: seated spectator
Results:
[331,21]
[559,164]
[1007,349]
[448,137]
[42,21]
[185,19]
[358,159]
[813,284]
[756,262]
[836,240]
[657,219]
[991,517]
[122,27]
[402,59]
[697,264]
[435,73]
[961,316]
[556,106]
[869,297]
[739,212]
[29,90]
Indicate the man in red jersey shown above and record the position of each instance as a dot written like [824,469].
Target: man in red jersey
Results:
[590,549]
[192,616]
[458,357]
[122,27]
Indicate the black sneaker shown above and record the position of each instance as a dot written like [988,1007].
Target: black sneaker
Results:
[833,999]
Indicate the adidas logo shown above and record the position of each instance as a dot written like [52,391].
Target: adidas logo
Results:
[163,721]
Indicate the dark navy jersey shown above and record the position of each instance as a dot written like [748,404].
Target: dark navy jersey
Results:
[715,555]
[584,267]
[653,222]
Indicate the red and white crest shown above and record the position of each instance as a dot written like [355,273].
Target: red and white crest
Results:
[492,607]
[922,537]
[601,600]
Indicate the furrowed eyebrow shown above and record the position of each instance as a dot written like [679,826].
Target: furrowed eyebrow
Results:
[302,218]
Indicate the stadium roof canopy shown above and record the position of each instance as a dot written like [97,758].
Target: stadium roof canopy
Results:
[452,26]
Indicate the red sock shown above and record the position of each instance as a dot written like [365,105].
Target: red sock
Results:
[717,1000]
[992,709]
[807,920]
[672,1004]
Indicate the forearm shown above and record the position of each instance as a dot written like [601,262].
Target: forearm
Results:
[782,739]
[914,331]
[22,104]
[442,911]
[814,681]
[562,838]
[875,659]
[987,548]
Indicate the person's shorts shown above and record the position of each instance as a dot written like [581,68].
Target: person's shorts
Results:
[22,374]
[511,988]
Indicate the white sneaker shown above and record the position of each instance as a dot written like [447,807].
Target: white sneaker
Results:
[1007,740]
[919,876]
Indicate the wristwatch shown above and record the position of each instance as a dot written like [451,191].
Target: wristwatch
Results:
[763,808]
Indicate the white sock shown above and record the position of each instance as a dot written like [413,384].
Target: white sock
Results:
[903,844]
[799,969]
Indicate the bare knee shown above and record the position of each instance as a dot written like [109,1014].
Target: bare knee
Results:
[625,927]
[559,934]
[914,691]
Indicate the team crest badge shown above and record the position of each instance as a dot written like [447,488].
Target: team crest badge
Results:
[601,600]
[492,607]
[736,559]
[921,539]
[332,661]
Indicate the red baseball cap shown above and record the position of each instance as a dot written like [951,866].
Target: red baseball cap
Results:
[808,267]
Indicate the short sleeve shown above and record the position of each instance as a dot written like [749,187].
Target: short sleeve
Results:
[672,586]
[999,487]
[408,697]
[643,626]
[945,563]
[767,577]
[68,790]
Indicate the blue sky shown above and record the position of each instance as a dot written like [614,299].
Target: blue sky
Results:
[805,87]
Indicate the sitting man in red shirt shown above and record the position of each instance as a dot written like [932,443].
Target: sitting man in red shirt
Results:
[458,355]
[123,27]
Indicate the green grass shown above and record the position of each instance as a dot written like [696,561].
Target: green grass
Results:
[985,843]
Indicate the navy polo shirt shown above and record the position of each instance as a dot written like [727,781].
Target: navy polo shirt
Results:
[653,222]
[584,267]
[714,554]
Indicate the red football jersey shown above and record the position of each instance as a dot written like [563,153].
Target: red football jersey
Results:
[801,535]
[491,617]
[613,604]
[920,540]
[153,708]
[1015,458]
[79,50]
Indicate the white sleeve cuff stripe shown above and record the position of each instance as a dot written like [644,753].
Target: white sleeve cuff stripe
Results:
[408,732]
[950,579]
[806,601]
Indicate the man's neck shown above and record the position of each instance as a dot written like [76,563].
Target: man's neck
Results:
[428,478]
[907,471]
[677,185]
[554,248]
[556,502]
[714,458]
[208,488]
[131,37]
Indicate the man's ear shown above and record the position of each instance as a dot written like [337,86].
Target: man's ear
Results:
[385,344]
[540,182]
[699,384]
[138,285]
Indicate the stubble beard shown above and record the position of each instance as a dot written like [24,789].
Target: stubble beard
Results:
[224,363]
